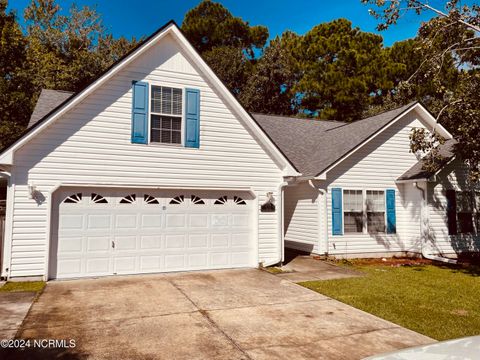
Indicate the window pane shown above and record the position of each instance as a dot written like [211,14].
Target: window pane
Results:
[375,201]
[166,136]
[156,121]
[465,223]
[176,123]
[353,200]
[156,99]
[464,201]
[353,222]
[166,123]
[177,102]
[155,135]
[376,222]
[176,137]
[166,100]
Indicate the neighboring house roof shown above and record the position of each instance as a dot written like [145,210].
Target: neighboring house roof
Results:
[315,145]
[47,101]
[417,171]
[6,154]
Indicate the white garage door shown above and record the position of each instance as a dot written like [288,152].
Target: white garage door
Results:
[124,231]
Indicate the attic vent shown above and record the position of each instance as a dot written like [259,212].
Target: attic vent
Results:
[98,199]
[73,199]
[129,199]
[221,200]
[196,200]
[180,199]
[149,199]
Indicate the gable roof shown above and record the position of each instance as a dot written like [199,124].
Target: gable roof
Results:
[314,146]
[6,154]
[47,101]
[417,171]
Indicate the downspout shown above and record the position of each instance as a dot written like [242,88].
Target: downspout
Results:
[325,224]
[281,231]
[423,231]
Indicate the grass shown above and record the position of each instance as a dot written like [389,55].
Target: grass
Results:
[438,301]
[274,270]
[14,286]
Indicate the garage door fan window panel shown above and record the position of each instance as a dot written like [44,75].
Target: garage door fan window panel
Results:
[73,199]
[353,211]
[149,199]
[375,211]
[98,199]
[129,199]
[166,115]
[196,200]
[177,200]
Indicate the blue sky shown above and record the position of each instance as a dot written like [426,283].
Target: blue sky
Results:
[142,17]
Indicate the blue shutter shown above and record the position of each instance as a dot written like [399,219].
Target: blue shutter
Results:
[192,118]
[140,112]
[337,213]
[391,214]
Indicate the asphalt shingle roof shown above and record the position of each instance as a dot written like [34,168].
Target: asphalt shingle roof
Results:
[313,145]
[417,171]
[47,101]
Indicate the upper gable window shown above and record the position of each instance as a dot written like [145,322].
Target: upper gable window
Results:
[166,115]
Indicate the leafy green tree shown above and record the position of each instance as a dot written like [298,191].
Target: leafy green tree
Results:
[452,38]
[211,25]
[269,88]
[231,65]
[343,70]
[14,93]
[227,43]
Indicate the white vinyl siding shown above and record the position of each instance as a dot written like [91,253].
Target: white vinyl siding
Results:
[453,177]
[376,166]
[302,218]
[91,144]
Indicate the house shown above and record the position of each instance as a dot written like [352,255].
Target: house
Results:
[156,167]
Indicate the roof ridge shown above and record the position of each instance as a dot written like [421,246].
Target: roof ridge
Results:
[298,118]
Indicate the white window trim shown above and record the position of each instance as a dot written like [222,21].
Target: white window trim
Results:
[182,133]
[365,222]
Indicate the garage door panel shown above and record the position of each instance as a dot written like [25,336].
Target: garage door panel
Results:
[123,243]
[151,221]
[174,262]
[198,241]
[98,221]
[125,231]
[71,222]
[175,241]
[153,242]
[98,243]
[220,240]
[126,221]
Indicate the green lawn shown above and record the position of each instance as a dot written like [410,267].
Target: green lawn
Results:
[35,286]
[437,301]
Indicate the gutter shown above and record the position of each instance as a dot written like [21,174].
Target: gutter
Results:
[423,231]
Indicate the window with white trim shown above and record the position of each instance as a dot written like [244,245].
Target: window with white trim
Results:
[375,204]
[166,115]
[465,212]
[353,211]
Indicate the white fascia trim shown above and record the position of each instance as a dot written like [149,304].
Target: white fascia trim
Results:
[424,114]
[288,169]
[158,187]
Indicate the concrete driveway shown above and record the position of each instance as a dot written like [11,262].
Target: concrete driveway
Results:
[231,314]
